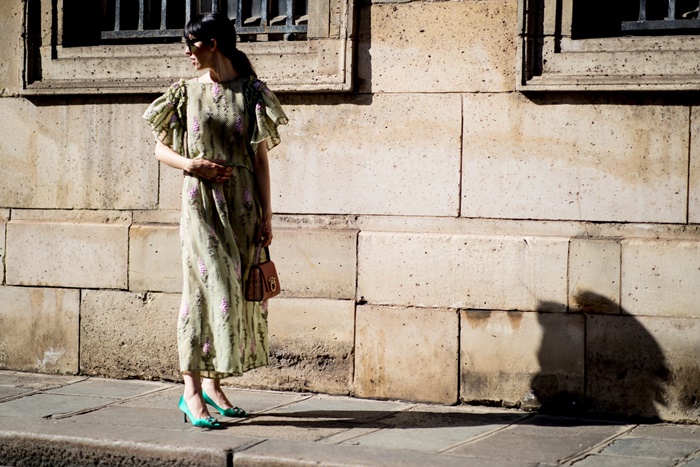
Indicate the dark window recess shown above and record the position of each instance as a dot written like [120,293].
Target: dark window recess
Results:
[614,18]
[153,21]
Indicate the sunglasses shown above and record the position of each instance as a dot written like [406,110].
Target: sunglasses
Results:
[190,44]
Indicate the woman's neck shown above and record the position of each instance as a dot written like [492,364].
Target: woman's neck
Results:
[221,70]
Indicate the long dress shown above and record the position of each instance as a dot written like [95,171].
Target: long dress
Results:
[219,333]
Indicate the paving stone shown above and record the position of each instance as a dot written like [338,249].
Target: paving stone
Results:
[148,417]
[36,380]
[650,447]
[541,439]
[10,392]
[693,462]
[433,430]
[687,432]
[108,388]
[44,405]
[343,408]
[614,461]
[278,453]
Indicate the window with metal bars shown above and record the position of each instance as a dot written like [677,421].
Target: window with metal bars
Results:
[142,21]
[615,18]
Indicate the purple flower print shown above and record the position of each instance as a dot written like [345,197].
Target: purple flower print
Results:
[216,89]
[195,125]
[201,266]
[218,195]
[193,192]
[185,310]
[238,270]
[239,125]
[224,307]
[206,348]
[176,85]
[253,346]
[173,119]
[263,305]
[257,84]
[247,196]
[258,107]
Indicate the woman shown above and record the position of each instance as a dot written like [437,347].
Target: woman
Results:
[218,128]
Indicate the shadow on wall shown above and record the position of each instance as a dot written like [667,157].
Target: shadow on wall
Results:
[624,369]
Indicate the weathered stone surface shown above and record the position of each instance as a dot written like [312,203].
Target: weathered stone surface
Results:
[462,271]
[578,162]
[11,55]
[594,275]
[154,258]
[76,154]
[694,178]
[39,329]
[124,335]
[644,366]
[406,353]
[381,154]
[3,227]
[316,263]
[660,277]
[402,50]
[72,215]
[66,254]
[170,188]
[311,347]
[528,359]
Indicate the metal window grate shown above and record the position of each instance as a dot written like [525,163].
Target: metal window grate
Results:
[150,19]
[671,21]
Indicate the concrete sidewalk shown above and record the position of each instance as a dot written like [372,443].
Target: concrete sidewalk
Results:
[63,420]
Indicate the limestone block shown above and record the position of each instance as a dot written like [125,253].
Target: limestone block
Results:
[643,365]
[3,226]
[660,277]
[407,353]
[11,22]
[528,359]
[154,258]
[39,329]
[170,188]
[403,49]
[382,154]
[694,179]
[67,254]
[316,263]
[311,347]
[128,335]
[77,155]
[555,159]
[594,275]
[463,271]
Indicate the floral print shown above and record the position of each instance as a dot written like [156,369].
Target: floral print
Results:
[219,333]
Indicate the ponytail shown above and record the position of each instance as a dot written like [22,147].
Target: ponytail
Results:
[218,26]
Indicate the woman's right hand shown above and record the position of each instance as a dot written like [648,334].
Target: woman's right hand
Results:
[214,171]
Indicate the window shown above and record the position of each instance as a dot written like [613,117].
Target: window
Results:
[609,45]
[130,46]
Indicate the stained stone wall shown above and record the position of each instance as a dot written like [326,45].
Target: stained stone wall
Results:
[440,237]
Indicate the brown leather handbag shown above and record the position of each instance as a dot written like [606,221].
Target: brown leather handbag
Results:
[263,282]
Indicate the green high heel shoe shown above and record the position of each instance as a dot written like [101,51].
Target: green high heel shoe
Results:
[209,422]
[232,412]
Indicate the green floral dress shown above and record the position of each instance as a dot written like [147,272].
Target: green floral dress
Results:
[220,334]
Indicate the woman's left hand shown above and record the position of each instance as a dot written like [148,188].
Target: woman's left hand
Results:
[266,231]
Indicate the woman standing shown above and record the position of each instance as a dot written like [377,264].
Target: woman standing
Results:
[218,128]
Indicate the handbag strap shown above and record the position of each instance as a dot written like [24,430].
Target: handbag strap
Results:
[258,248]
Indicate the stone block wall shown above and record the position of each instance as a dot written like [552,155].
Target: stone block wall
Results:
[440,237]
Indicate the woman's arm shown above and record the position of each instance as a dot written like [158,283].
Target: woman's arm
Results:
[200,167]
[262,178]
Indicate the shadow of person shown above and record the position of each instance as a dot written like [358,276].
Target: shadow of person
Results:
[624,371]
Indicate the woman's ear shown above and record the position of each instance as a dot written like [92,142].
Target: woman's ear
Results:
[212,44]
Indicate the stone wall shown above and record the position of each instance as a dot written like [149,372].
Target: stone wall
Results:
[440,237]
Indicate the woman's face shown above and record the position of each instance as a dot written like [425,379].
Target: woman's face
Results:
[199,53]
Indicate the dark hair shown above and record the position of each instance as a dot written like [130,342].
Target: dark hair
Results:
[218,26]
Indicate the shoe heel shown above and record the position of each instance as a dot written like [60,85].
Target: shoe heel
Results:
[185,416]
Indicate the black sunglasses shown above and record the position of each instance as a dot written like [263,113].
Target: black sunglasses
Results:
[190,44]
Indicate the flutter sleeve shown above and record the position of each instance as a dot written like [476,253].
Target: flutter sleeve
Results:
[268,115]
[167,117]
